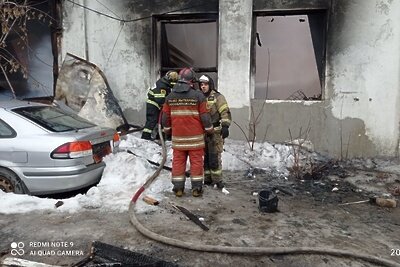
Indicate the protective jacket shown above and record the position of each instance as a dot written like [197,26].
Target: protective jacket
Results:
[185,115]
[219,110]
[155,100]
[156,95]
[185,112]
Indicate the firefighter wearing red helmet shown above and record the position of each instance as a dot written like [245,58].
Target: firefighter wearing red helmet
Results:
[186,118]
[221,120]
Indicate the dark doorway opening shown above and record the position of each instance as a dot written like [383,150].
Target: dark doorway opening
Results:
[189,41]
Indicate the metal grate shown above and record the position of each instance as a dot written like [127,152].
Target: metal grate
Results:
[103,254]
[298,95]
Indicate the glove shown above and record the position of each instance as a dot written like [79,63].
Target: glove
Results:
[210,131]
[167,131]
[224,132]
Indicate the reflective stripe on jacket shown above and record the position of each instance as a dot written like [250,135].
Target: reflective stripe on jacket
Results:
[156,95]
[219,110]
[185,112]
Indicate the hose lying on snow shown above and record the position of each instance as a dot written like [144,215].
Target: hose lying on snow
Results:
[238,250]
[155,174]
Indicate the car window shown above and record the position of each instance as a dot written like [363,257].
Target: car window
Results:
[6,131]
[54,119]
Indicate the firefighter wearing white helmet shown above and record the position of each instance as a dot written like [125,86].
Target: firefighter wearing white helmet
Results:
[221,119]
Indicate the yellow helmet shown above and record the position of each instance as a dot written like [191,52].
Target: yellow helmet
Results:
[172,76]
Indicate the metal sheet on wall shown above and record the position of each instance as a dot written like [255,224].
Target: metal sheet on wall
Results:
[82,86]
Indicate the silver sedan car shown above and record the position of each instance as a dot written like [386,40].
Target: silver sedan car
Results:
[44,149]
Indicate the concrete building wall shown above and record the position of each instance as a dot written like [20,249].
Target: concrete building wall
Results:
[235,22]
[358,115]
[364,70]
[73,38]
[122,50]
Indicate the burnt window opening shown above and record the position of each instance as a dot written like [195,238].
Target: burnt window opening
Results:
[38,53]
[290,56]
[189,42]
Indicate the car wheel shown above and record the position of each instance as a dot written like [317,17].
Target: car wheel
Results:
[10,182]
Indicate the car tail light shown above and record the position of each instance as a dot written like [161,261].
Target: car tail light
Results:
[72,150]
[116,140]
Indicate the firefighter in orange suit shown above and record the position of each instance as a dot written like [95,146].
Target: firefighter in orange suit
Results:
[186,118]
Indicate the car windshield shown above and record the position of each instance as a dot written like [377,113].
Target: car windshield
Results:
[54,119]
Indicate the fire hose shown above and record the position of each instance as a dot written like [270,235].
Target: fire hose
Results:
[238,250]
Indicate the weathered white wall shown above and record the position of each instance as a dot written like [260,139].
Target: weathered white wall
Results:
[359,114]
[235,23]
[73,40]
[234,53]
[128,68]
[365,58]
[122,54]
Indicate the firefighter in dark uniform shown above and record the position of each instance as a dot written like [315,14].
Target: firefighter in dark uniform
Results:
[155,100]
[221,120]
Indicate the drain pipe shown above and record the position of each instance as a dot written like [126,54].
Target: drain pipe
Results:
[239,250]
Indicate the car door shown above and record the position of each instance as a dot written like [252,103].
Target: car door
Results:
[10,153]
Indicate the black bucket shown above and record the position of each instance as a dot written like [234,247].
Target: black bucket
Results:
[267,201]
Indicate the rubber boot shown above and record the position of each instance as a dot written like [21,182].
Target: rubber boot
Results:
[146,136]
[220,185]
[207,181]
[197,192]
[178,192]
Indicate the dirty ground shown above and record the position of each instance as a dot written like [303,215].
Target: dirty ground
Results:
[309,215]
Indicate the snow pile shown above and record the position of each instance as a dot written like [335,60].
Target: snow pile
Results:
[126,172]
[238,156]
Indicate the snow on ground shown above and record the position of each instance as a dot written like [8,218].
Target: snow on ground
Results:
[125,173]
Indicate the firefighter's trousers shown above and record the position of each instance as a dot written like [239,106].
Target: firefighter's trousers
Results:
[152,113]
[179,166]
[212,158]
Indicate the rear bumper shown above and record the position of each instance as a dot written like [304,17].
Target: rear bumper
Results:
[41,181]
